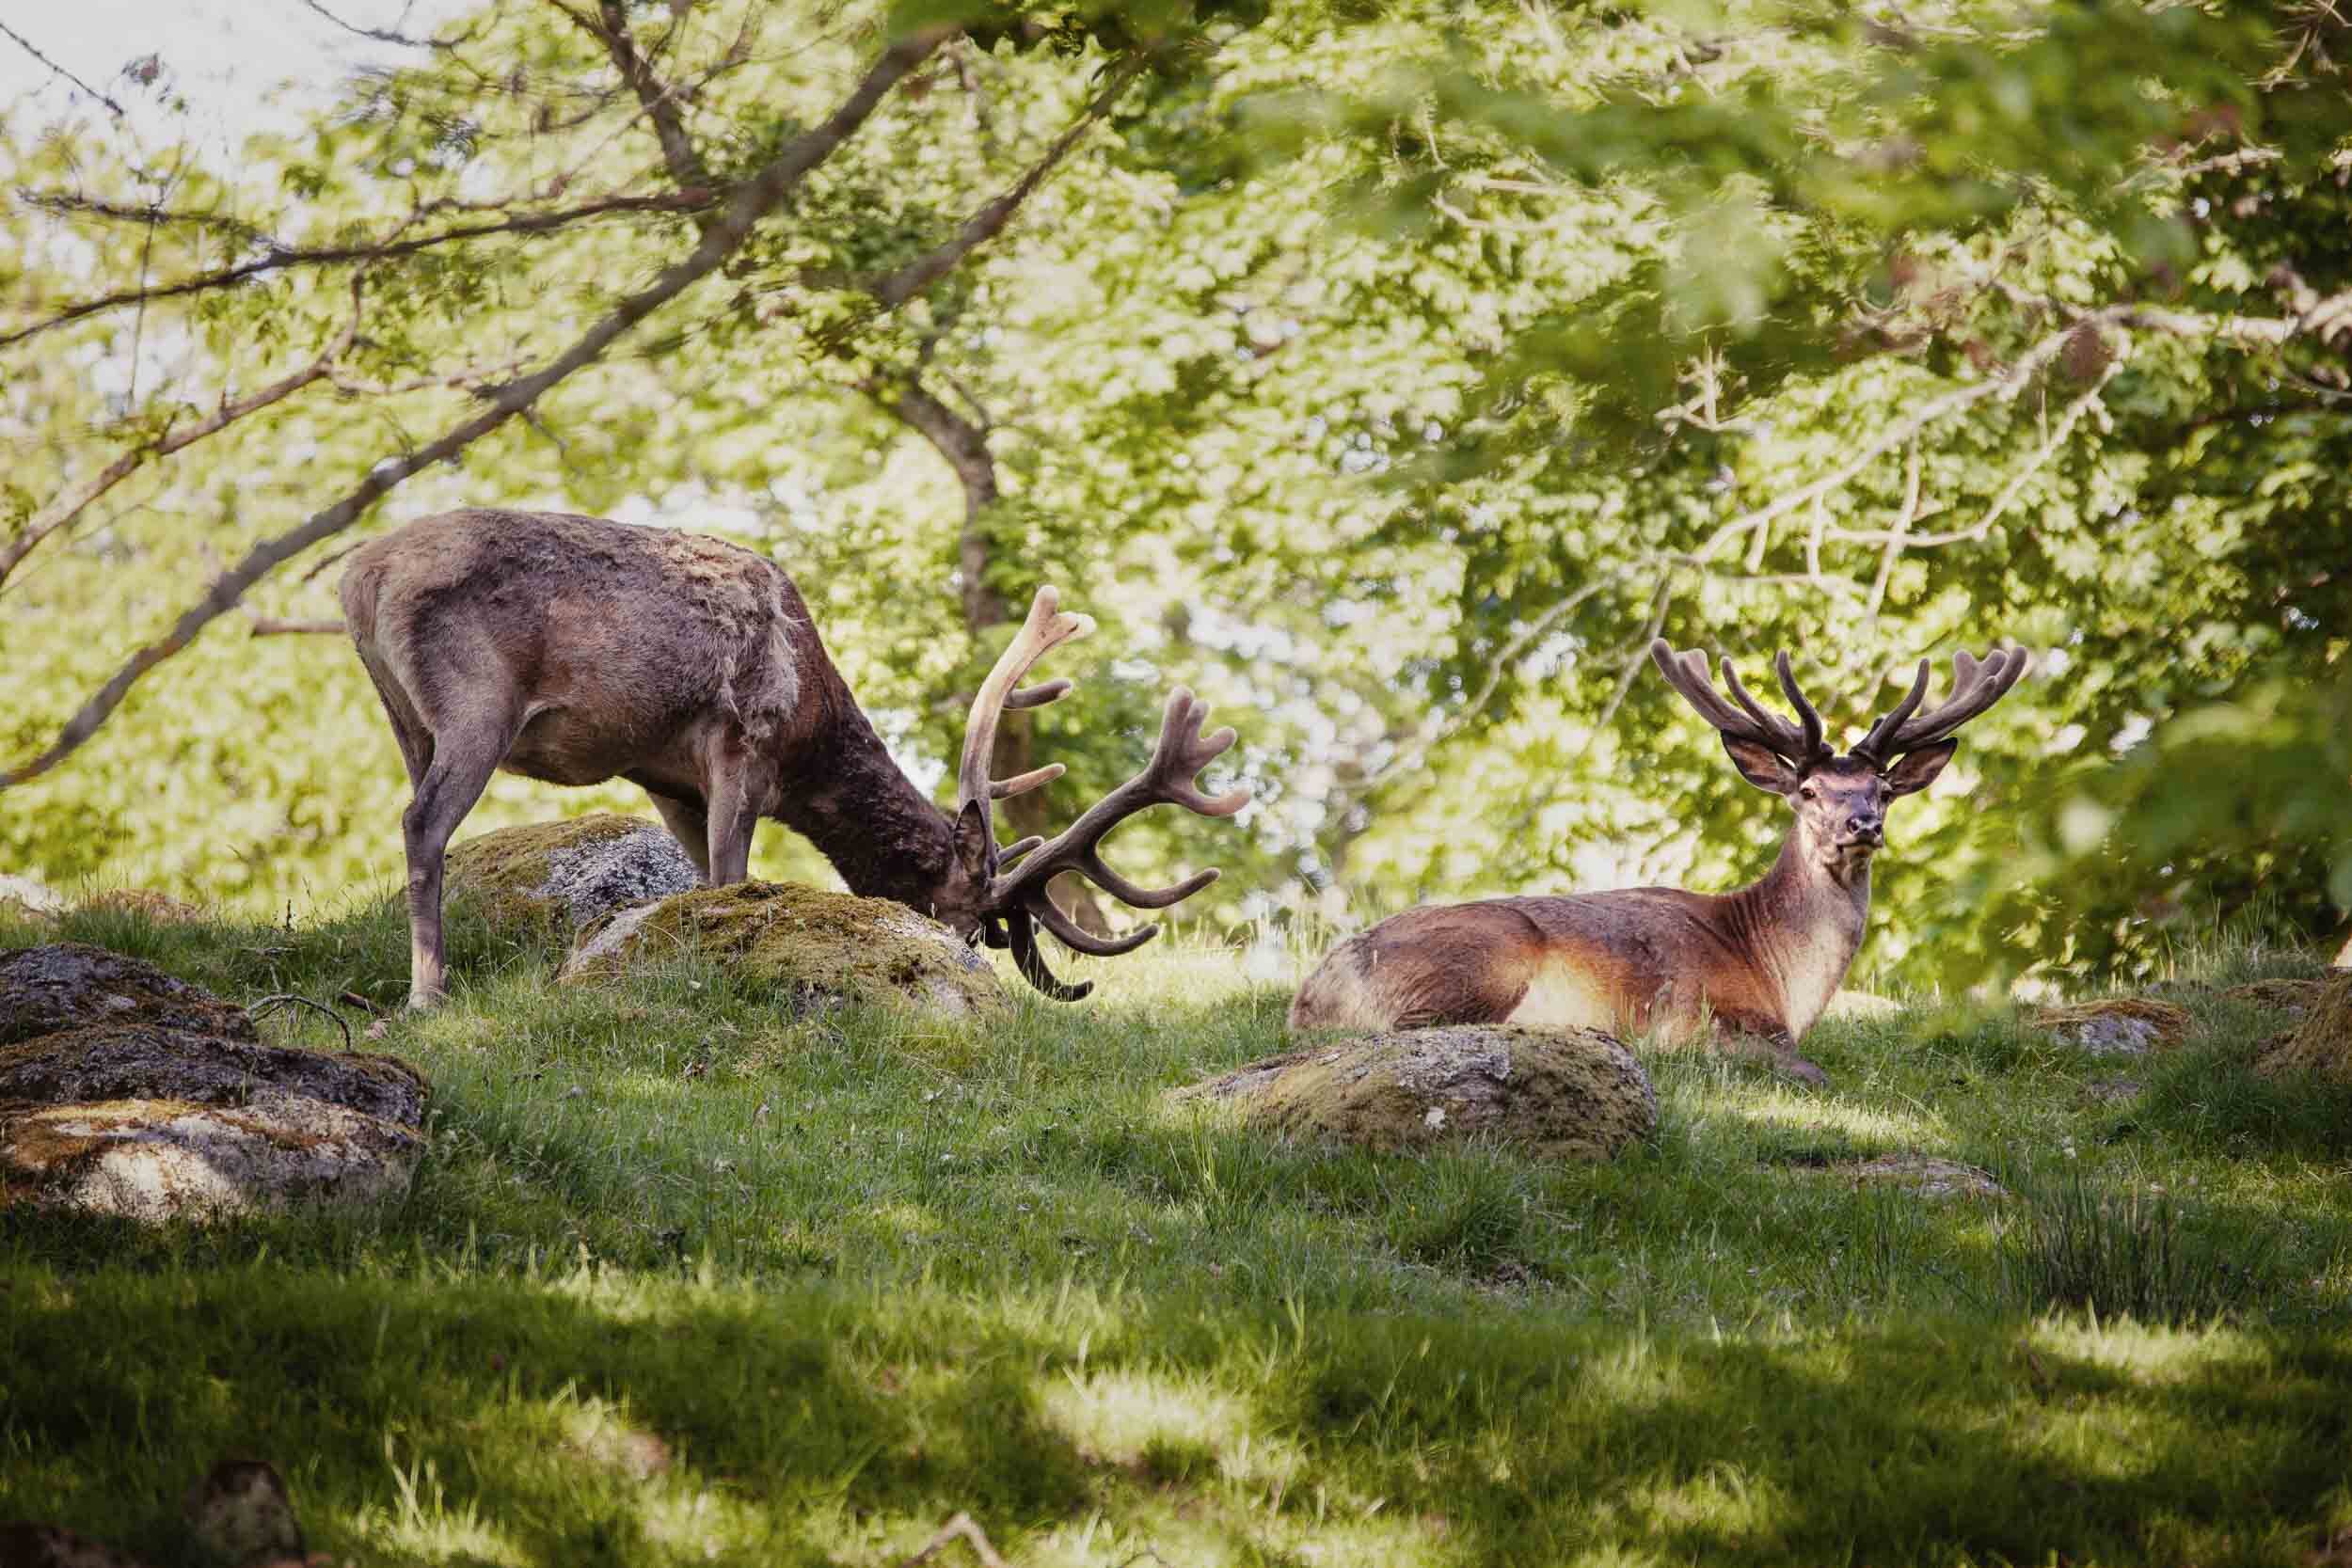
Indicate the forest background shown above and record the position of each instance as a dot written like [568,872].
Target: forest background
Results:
[1392,372]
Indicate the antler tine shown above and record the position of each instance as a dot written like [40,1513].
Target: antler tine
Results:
[1687,673]
[1167,779]
[1045,630]
[1806,716]
[1868,749]
[1976,685]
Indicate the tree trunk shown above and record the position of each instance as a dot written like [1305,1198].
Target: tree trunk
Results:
[965,445]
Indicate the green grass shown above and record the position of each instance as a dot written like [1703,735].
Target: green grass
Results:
[681,1282]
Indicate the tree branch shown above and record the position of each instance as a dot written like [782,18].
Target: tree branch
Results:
[750,201]
[25,44]
[384,35]
[70,504]
[896,288]
[659,99]
[381,250]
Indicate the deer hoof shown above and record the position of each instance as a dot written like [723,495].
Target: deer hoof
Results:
[1802,1071]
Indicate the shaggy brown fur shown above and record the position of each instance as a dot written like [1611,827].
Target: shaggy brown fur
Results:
[575,650]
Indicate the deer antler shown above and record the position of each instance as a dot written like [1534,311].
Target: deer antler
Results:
[1020,898]
[1800,743]
[1976,685]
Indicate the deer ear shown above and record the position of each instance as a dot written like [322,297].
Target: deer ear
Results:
[1918,770]
[1762,767]
[972,844]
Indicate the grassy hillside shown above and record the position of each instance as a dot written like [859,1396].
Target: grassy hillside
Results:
[682,1283]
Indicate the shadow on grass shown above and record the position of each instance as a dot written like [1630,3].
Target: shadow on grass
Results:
[594,1419]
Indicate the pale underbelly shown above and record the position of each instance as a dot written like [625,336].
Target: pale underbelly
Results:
[1564,996]
[1561,997]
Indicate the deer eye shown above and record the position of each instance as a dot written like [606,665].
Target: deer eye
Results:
[1808,792]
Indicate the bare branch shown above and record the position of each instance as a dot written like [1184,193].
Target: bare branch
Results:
[750,201]
[378,250]
[65,508]
[984,225]
[384,35]
[23,44]
[610,29]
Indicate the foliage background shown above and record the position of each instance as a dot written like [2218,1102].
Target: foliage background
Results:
[1390,373]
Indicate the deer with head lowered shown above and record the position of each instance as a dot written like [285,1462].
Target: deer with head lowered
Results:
[575,650]
[1761,962]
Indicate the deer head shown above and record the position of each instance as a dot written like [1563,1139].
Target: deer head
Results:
[1841,801]
[998,894]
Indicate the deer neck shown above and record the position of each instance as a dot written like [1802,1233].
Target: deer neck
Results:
[1802,924]
[841,791]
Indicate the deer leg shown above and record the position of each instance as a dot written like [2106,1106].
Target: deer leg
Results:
[1750,1035]
[689,823]
[460,771]
[732,822]
[409,730]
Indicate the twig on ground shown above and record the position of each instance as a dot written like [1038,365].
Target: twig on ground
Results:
[288,999]
[959,1528]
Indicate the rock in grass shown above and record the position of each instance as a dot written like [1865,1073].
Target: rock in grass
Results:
[819,949]
[2322,1043]
[2293,997]
[144,1097]
[1574,1095]
[1923,1175]
[22,898]
[565,875]
[2115,1025]
[69,985]
[47,1546]
[240,1514]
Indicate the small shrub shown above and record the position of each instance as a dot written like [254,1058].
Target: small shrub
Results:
[2131,1255]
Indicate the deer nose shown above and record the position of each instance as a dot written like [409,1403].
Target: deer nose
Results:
[1869,824]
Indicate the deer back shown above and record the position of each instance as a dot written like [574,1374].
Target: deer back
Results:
[612,639]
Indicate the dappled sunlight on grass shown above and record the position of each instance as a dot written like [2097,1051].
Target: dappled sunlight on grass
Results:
[1163,1426]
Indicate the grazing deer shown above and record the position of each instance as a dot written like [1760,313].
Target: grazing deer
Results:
[575,650]
[1762,961]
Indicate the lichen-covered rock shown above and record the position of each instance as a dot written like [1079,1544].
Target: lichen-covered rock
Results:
[153,1121]
[2115,1025]
[70,985]
[565,875]
[1923,1175]
[2294,997]
[149,1061]
[22,898]
[820,949]
[241,1517]
[2322,1043]
[1575,1094]
[146,903]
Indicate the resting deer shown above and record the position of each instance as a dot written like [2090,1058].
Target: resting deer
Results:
[575,650]
[1762,962]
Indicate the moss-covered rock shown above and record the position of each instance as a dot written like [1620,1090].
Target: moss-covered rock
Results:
[2115,1025]
[1576,1095]
[2295,997]
[153,1122]
[819,949]
[71,985]
[2322,1043]
[562,875]
[1923,1175]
